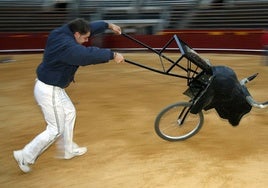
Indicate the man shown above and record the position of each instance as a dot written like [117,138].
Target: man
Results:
[63,55]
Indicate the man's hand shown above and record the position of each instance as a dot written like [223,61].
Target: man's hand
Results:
[118,58]
[115,28]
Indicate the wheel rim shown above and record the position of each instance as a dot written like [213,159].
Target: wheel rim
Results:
[170,128]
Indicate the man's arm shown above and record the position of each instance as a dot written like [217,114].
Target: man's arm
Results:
[100,26]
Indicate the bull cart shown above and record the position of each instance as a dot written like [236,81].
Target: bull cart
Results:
[208,87]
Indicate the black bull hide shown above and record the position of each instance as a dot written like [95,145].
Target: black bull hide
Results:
[225,94]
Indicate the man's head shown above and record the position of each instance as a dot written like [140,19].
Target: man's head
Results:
[81,30]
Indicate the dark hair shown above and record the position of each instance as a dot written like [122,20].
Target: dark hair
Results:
[79,25]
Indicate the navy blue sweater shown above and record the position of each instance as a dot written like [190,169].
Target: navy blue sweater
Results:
[63,55]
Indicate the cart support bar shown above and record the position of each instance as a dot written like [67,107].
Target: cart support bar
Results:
[148,47]
[155,70]
[139,42]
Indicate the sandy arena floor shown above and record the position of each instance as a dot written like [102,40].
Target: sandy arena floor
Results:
[116,108]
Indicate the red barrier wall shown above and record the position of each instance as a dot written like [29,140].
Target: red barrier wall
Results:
[20,41]
[230,39]
[218,39]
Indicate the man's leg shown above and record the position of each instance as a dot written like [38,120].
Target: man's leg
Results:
[48,98]
[70,148]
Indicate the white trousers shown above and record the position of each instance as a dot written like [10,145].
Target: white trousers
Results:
[59,113]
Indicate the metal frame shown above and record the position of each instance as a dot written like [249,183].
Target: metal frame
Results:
[190,70]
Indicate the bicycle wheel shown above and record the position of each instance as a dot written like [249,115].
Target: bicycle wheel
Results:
[176,123]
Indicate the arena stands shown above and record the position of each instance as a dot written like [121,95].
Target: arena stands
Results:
[204,23]
[148,16]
